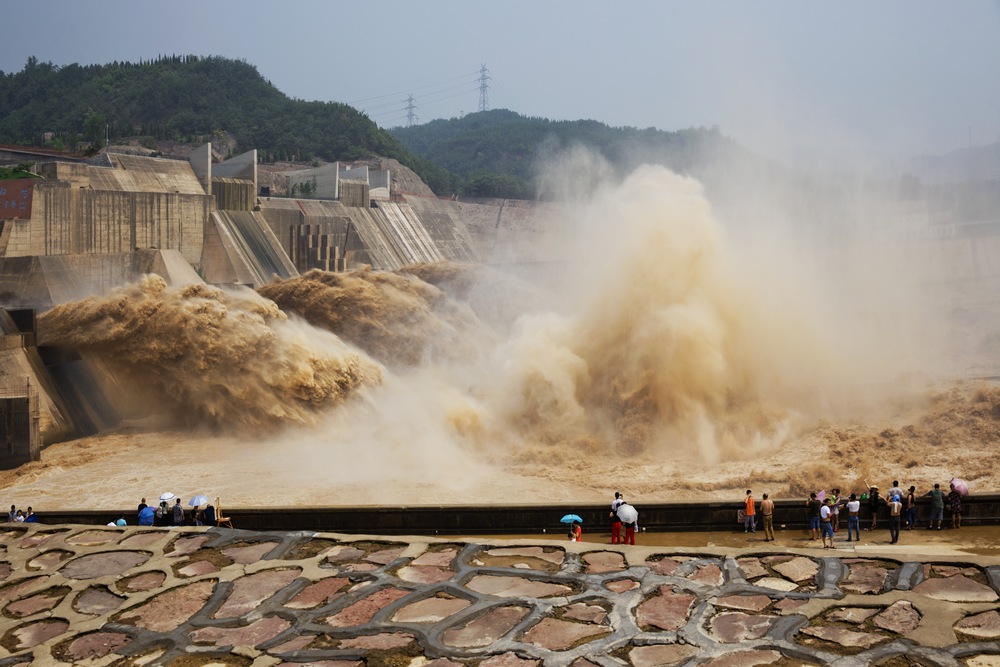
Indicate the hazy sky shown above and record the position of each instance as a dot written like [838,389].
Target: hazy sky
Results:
[787,78]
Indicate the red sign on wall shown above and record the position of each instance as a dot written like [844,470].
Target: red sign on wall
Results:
[15,198]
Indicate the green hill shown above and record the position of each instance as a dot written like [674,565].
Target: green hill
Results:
[186,97]
[498,152]
[190,98]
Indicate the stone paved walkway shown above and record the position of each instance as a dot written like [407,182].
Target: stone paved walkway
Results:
[139,596]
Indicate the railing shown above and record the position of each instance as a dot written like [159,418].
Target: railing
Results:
[520,519]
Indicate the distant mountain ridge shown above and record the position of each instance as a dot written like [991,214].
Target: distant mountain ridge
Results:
[500,150]
[973,163]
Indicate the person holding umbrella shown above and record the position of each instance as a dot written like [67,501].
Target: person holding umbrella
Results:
[146,516]
[196,512]
[575,531]
[630,517]
[163,514]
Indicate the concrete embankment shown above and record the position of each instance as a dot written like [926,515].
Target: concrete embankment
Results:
[519,519]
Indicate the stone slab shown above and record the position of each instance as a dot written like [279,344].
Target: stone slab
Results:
[558,635]
[430,610]
[753,603]
[776,584]
[114,563]
[981,626]
[735,626]
[668,611]
[901,617]
[798,569]
[364,609]
[96,645]
[662,655]
[251,590]
[844,637]
[318,593]
[253,634]
[957,588]
[485,629]
[515,587]
[170,609]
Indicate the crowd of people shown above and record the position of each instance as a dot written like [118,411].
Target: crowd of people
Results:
[21,516]
[167,514]
[824,511]
[624,521]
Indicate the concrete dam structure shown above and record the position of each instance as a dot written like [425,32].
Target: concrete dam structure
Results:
[86,229]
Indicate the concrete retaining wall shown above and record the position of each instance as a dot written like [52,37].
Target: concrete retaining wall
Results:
[518,519]
[69,221]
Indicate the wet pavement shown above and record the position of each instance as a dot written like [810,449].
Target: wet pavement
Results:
[140,596]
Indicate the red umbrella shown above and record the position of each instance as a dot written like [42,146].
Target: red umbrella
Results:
[960,485]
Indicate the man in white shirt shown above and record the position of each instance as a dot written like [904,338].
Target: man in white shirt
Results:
[825,516]
[853,521]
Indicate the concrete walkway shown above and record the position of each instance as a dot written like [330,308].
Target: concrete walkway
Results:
[133,596]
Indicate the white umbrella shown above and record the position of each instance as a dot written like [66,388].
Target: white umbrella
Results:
[166,497]
[627,513]
[198,501]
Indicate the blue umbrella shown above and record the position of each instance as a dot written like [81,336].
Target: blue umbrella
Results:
[570,518]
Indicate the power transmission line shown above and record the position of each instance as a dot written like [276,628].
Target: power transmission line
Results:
[399,93]
[404,107]
[484,89]
[410,107]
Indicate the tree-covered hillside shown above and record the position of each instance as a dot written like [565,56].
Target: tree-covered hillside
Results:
[499,151]
[183,97]
[190,98]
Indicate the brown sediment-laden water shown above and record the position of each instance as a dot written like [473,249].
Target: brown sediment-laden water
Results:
[668,360]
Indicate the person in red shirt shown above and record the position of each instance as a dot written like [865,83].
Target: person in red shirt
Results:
[748,524]
[576,532]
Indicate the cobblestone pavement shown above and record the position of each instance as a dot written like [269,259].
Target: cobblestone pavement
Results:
[135,596]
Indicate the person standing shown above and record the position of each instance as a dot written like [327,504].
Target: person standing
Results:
[814,506]
[577,532]
[894,491]
[178,513]
[825,517]
[767,511]
[209,515]
[162,514]
[748,523]
[895,517]
[911,508]
[12,515]
[955,505]
[616,522]
[853,520]
[142,506]
[937,507]
[874,500]
[835,508]
[630,526]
